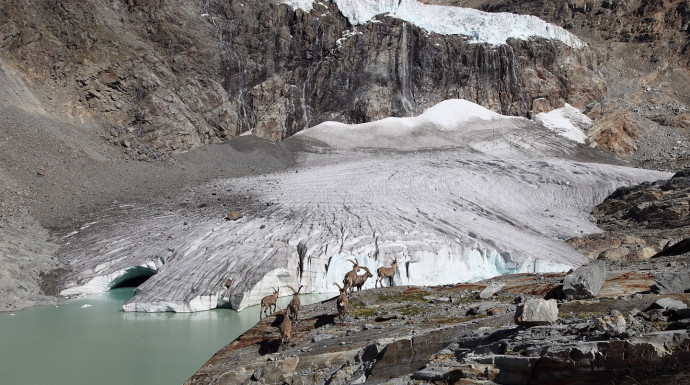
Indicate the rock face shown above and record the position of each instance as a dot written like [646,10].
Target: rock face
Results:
[642,221]
[585,281]
[164,77]
[634,40]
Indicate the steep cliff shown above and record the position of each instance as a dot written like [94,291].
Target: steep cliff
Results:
[166,77]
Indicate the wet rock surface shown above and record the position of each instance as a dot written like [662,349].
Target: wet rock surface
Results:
[439,335]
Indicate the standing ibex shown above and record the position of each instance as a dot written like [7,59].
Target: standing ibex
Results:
[386,272]
[351,275]
[294,303]
[285,327]
[359,281]
[269,301]
[341,302]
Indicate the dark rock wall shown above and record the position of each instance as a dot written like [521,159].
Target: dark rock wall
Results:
[165,76]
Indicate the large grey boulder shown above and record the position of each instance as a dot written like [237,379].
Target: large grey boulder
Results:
[585,282]
[536,312]
[668,283]
[491,289]
[668,304]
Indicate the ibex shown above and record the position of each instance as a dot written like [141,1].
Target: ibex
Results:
[386,272]
[341,302]
[269,301]
[359,281]
[294,303]
[285,327]
[351,275]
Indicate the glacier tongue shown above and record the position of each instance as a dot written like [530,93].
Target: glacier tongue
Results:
[478,26]
[456,194]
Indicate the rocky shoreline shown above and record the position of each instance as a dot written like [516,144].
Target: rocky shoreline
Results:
[399,335]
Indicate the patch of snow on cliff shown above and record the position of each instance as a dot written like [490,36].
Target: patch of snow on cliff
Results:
[478,26]
[567,121]
[305,5]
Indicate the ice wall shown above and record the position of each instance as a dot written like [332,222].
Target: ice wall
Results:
[478,26]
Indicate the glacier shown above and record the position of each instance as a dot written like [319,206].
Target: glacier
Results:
[478,26]
[458,193]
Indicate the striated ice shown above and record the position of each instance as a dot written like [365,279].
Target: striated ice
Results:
[456,194]
[478,26]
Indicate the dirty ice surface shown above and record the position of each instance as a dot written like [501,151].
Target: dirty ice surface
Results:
[456,194]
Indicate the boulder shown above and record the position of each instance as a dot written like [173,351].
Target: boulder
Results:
[668,304]
[585,282]
[481,308]
[668,283]
[490,290]
[234,215]
[536,312]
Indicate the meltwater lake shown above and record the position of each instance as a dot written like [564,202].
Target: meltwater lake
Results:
[91,340]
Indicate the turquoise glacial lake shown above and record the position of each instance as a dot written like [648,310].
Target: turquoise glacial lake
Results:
[92,341]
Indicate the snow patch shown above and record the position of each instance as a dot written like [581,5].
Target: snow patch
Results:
[567,121]
[478,26]
[305,5]
[450,114]
[454,116]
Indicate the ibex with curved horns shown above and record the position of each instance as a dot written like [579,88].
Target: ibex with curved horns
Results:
[341,302]
[362,278]
[294,304]
[386,272]
[268,302]
[351,275]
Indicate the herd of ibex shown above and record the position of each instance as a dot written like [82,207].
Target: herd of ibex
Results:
[351,280]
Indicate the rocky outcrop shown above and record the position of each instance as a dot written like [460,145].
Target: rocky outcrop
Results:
[163,77]
[642,221]
[428,334]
